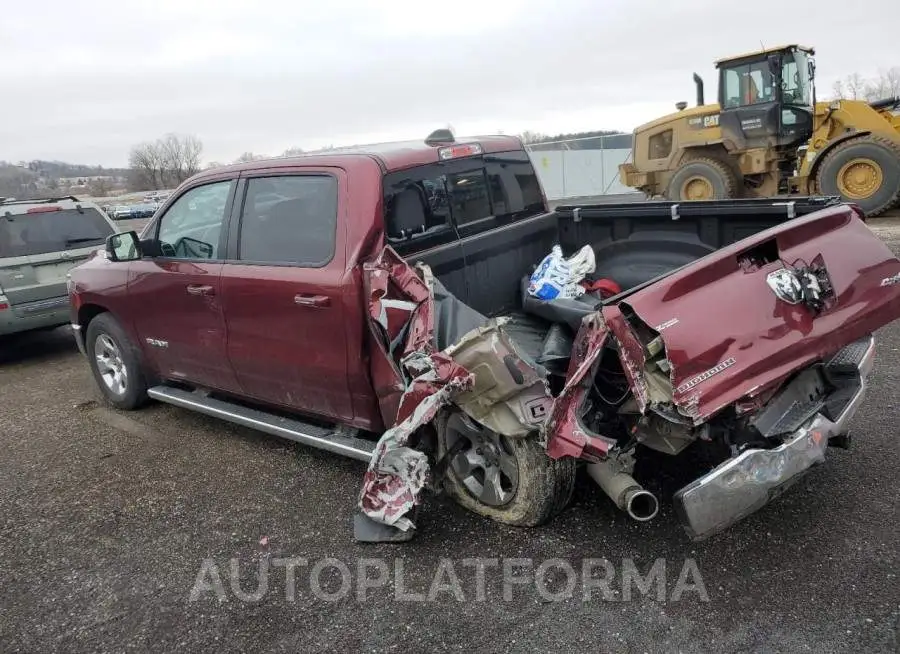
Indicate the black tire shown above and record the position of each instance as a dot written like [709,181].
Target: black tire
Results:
[134,386]
[719,176]
[544,485]
[878,149]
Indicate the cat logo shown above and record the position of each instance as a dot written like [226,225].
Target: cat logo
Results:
[703,122]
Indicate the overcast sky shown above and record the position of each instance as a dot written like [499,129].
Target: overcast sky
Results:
[83,82]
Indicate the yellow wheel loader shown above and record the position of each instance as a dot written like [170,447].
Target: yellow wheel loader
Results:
[769,137]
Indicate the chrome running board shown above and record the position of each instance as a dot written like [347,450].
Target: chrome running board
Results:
[322,438]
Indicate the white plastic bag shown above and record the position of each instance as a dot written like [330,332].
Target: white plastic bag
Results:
[558,277]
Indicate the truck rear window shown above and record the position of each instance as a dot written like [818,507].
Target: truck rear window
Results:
[428,199]
[51,231]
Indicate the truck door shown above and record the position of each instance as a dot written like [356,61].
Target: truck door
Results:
[175,299]
[283,292]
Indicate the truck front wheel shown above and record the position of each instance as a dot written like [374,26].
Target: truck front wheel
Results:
[510,480]
[115,363]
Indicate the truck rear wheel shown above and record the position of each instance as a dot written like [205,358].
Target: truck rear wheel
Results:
[865,171]
[702,179]
[510,480]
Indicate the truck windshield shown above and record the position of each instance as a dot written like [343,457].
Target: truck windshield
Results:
[795,82]
[433,197]
[51,231]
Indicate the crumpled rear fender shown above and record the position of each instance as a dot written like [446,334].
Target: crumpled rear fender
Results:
[483,374]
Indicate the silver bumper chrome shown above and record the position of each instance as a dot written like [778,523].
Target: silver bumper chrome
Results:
[744,484]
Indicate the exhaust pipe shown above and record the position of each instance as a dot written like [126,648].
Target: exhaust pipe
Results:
[699,82]
[622,488]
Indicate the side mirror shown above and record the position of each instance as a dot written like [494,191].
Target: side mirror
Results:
[123,247]
[774,62]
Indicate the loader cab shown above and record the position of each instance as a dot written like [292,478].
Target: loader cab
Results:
[767,98]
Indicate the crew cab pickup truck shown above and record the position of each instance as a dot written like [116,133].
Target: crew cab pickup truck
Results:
[375,303]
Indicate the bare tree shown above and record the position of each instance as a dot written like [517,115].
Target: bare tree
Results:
[886,85]
[145,162]
[838,89]
[249,156]
[164,163]
[855,86]
[100,188]
[292,152]
[528,137]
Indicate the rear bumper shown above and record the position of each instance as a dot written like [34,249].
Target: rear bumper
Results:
[744,484]
[34,315]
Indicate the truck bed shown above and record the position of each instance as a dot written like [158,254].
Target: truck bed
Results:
[634,243]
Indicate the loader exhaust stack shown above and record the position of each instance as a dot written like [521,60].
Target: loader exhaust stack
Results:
[699,82]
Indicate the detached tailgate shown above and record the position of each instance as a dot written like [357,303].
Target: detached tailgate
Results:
[732,324]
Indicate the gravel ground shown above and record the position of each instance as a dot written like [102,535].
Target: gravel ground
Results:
[106,519]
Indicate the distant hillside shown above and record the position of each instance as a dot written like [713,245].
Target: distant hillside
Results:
[39,178]
[57,169]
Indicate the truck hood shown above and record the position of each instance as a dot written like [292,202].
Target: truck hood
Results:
[740,320]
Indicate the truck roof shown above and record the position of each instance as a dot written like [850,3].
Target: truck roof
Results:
[390,156]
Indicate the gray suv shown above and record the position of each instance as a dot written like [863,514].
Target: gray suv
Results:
[40,241]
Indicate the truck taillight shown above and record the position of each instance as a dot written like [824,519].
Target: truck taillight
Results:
[462,150]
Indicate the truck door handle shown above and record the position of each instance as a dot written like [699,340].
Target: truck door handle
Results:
[312,300]
[200,289]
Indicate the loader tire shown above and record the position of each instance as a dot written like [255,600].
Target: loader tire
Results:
[864,171]
[542,487]
[702,179]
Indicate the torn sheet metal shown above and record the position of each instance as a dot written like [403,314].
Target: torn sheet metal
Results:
[503,390]
[563,432]
[397,473]
[631,354]
[399,302]
[509,394]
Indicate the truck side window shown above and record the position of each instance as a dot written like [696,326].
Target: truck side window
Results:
[191,227]
[290,219]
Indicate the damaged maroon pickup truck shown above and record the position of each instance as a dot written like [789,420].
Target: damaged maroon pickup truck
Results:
[378,303]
